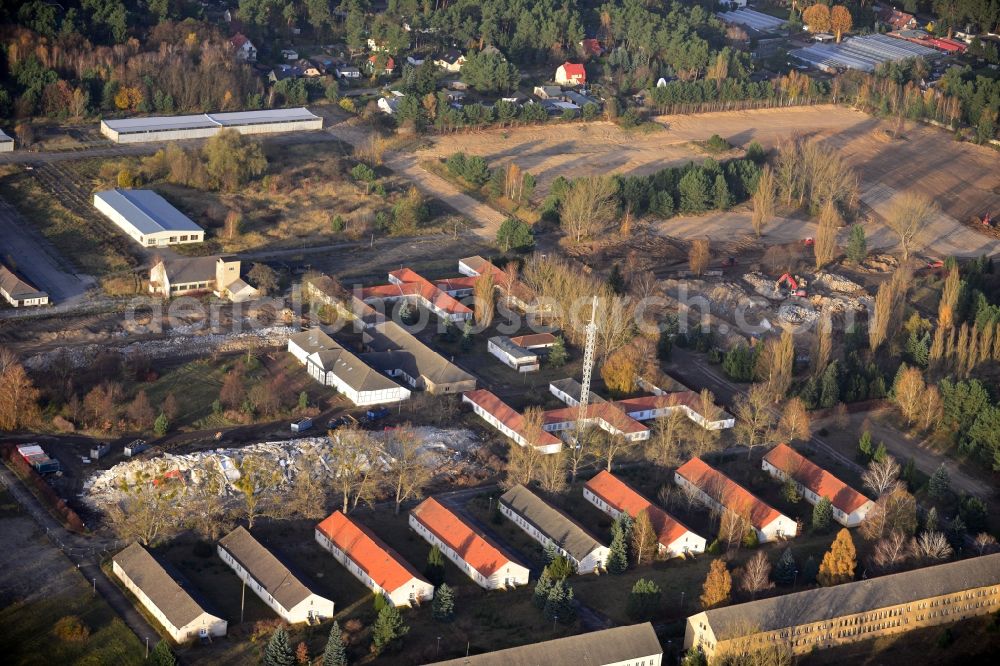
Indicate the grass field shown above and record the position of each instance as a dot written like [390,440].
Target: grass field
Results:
[74,237]
[38,587]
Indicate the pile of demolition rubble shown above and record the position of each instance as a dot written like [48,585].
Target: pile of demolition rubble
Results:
[176,345]
[446,451]
[763,285]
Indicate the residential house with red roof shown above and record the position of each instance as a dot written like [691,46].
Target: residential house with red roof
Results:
[571,74]
[718,491]
[605,415]
[614,497]
[245,50]
[501,416]
[473,552]
[371,561]
[389,65]
[515,293]
[849,506]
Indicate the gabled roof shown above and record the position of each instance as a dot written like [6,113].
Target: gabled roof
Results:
[551,522]
[622,497]
[239,39]
[382,564]
[477,549]
[420,360]
[514,350]
[163,589]
[265,568]
[312,340]
[185,270]
[601,411]
[620,645]
[352,370]
[862,596]
[491,404]
[572,69]
[728,493]
[815,478]
[16,287]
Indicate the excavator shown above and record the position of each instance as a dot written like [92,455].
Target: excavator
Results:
[796,285]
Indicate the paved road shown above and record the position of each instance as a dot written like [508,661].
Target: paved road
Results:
[35,257]
[85,552]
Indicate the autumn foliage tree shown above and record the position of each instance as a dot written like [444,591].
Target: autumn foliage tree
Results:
[763,199]
[18,395]
[839,562]
[840,21]
[483,292]
[621,371]
[718,586]
[817,17]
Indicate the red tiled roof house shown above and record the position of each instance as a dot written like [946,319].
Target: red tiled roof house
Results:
[715,489]
[372,562]
[571,74]
[614,497]
[474,553]
[849,506]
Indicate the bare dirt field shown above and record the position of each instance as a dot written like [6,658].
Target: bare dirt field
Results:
[962,178]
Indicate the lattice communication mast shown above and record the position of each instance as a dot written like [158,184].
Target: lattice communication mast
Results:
[588,367]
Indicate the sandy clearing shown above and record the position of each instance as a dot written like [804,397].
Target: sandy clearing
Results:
[962,178]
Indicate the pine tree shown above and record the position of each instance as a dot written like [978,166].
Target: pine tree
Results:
[559,603]
[279,651]
[839,562]
[829,394]
[161,425]
[784,570]
[865,446]
[550,553]
[939,485]
[881,453]
[616,280]
[644,600]
[162,656]
[335,652]
[931,520]
[557,353]
[857,246]
[434,571]
[720,193]
[388,628]
[443,606]
[621,531]
[542,589]
[718,585]
[822,515]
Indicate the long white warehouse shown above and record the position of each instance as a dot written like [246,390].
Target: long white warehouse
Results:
[148,218]
[174,128]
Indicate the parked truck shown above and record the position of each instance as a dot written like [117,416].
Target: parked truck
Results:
[302,425]
[135,447]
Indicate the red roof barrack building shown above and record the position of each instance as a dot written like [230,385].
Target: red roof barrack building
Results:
[372,562]
[501,416]
[849,506]
[717,490]
[614,497]
[473,552]
[571,74]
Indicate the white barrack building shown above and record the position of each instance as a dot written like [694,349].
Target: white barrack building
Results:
[200,126]
[148,218]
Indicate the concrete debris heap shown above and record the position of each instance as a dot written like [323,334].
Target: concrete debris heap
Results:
[181,343]
[446,450]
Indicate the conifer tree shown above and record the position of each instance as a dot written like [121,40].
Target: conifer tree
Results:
[443,606]
[162,656]
[542,589]
[838,562]
[279,651]
[784,570]
[939,484]
[865,445]
[621,531]
[644,600]
[809,570]
[822,515]
[388,628]
[435,566]
[335,652]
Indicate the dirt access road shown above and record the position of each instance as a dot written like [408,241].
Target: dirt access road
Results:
[964,179]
